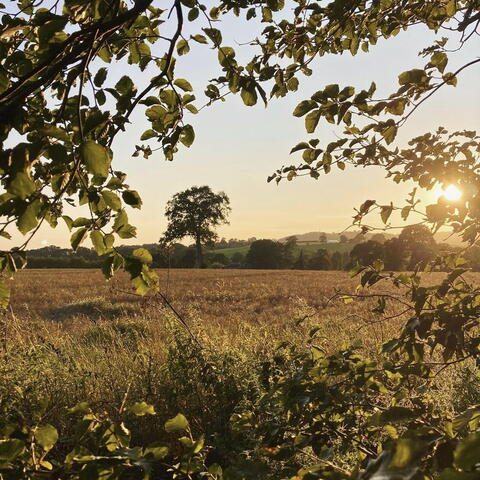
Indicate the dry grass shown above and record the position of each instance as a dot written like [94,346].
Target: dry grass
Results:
[71,337]
[222,304]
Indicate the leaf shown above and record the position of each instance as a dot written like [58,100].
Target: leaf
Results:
[439,60]
[28,219]
[143,255]
[132,198]
[96,158]
[158,451]
[199,38]
[385,212]
[304,107]
[78,237]
[96,236]
[467,453]
[100,77]
[4,299]
[125,85]
[299,146]
[10,449]
[182,47]
[187,136]
[141,409]
[390,133]
[112,200]
[147,134]
[46,436]
[22,186]
[183,84]
[176,424]
[311,121]
[249,96]
[214,35]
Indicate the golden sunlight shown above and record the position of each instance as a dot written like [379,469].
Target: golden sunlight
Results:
[451,193]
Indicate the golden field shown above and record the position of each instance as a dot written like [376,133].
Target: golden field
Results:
[219,302]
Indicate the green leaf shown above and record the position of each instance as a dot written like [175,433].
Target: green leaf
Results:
[4,299]
[467,453]
[300,146]
[439,60]
[183,84]
[96,158]
[199,38]
[187,136]
[10,449]
[141,409]
[311,121]
[157,451]
[28,219]
[304,107]
[22,186]
[96,236]
[182,47]
[112,200]
[214,35]
[46,436]
[147,134]
[100,77]
[125,85]
[143,255]
[176,424]
[385,213]
[132,198]
[249,96]
[78,237]
[390,133]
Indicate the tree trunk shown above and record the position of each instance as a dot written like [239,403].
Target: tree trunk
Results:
[199,260]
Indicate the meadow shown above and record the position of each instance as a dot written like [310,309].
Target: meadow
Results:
[209,351]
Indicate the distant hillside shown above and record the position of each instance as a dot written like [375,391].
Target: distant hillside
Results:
[440,237]
[315,236]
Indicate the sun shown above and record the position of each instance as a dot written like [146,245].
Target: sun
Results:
[450,193]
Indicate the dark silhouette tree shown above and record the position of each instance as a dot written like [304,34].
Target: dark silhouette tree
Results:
[265,254]
[289,249]
[419,245]
[337,261]
[320,260]
[299,262]
[195,213]
[394,255]
[367,252]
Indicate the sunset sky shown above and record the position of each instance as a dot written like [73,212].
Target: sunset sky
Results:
[237,147]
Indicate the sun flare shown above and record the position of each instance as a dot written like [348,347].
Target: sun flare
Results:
[450,193]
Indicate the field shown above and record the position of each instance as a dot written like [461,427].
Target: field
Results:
[71,337]
[220,303]
[308,248]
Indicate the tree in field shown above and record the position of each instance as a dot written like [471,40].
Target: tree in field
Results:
[419,245]
[299,262]
[322,238]
[320,260]
[337,261]
[195,213]
[265,254]
[394,255]
[289,249]
[367,252]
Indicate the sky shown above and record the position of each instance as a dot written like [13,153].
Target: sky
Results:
[237,147]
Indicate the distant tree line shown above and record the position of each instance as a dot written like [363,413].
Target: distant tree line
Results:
[415,245]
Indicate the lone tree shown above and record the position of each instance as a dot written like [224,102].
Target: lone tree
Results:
[195,213]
